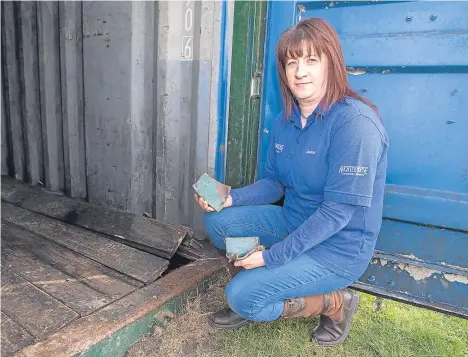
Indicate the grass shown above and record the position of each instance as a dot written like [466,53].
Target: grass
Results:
[395,330]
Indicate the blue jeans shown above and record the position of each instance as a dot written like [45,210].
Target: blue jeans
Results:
[259,294]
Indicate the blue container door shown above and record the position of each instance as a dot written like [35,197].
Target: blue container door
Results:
[411,60]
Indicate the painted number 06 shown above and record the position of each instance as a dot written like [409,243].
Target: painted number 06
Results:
[187,41]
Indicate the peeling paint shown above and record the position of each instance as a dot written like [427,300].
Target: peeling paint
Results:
[456,278]
[416,272]
[356,71]
[412,256]
[454,266]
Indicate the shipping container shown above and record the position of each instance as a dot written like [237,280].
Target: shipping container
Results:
[117,103]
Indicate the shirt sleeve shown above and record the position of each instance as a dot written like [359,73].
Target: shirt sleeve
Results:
[262,192]
[330,218]
[355,150]
[266,191]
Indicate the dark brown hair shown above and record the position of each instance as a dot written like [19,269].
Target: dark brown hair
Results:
[320,38]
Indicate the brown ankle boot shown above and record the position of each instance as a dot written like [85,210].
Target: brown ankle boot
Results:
[335,321]
[314,305]
[304,306]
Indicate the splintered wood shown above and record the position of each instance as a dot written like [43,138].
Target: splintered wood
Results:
[64,259]
[144,233]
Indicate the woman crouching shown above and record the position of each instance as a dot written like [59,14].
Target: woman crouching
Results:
[327,157]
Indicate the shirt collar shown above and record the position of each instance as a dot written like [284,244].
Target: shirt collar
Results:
[318,113]
[321,111]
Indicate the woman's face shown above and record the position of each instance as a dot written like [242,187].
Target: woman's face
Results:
[307,76]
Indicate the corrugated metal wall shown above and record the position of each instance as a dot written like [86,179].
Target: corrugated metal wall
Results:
[113,102]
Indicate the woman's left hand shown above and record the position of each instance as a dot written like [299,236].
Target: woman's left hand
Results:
[255,260]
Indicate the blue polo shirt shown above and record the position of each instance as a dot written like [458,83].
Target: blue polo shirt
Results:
[332,175]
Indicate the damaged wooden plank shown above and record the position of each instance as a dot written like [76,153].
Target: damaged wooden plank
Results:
[99,277]
[30,307]
[193,250]
[19,258]
[135,263]
[142,232]
[14,337]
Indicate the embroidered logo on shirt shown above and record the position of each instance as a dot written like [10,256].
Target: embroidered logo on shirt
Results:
[353,170]
[279,147]
[310,152]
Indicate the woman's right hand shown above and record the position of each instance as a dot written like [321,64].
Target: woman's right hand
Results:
[204,205]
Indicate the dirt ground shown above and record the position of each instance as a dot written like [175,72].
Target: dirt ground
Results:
[187,335]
